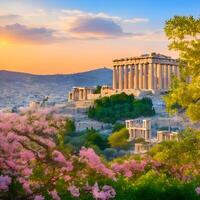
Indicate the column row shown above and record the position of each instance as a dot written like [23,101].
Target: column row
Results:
[148,76]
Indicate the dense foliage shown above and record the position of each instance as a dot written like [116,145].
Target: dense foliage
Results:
[119,139]
[120,107]
[97,90]
[183,33]
[88,138]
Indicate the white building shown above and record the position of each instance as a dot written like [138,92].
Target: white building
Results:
[139,129]
[166,136]
[149,72]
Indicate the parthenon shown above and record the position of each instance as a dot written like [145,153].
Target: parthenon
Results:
[147,72]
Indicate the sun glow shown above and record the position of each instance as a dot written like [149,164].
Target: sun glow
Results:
[3,42]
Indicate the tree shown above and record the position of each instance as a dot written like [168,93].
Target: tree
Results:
[183,33]
[182,152]
[34,166]
[120,107]
[117,127]
[97,90]
[119,139]
[69,126]
[93,137]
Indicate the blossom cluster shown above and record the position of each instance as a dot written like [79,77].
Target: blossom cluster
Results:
[94,161]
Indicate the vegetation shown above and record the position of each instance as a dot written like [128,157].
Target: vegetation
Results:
[178,153]
[97,90]
[120,107]
[183,32]
[88,138]
[117,127]
[119,139]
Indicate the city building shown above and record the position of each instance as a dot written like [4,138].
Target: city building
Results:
[141,148]
[139,129]
[80,93]
[149,72]
[166,136]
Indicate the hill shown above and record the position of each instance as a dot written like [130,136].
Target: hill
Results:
[17,89]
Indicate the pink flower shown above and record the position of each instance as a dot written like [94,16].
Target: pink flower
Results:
[197,190]
[94,162]
[26,187]
[59,157]
[5,181]
[106,193]
[74,191]
[110,192]
[39,197]
[54,195]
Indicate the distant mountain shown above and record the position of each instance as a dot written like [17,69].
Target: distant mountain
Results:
[17,89]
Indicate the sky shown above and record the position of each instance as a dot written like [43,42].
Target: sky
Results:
[70,36]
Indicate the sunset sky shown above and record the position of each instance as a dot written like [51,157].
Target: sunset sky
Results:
[68,36]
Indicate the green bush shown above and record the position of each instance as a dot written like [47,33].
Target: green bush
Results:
[120,107]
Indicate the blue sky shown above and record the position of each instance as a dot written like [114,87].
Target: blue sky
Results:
[84,34]
[154,9]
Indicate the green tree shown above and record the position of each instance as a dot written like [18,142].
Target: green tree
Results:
[93,137]
[119,139]
[183,33]
[117,127]
[120,107]
[97,90]
[69,126]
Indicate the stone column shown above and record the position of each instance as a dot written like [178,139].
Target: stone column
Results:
[155,77]
[140,76]
[166,76]
[131,76]
[121,70]
[114,78]
[136,77]
[145,78]
[174,70]
[79,94]
[160,81]
[117,77]
[151,77]
[125,77]
[169,75]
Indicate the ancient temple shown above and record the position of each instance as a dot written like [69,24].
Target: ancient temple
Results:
[147,72]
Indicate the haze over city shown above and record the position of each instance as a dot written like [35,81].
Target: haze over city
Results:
[66,36]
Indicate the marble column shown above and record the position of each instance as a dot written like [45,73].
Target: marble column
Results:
[121,72]
[151,77]
[174,70]
[155,76]
[160,78]
[136,76]
[145,78]
[169,75]
[117,77]
[165,76]
[140,76]
[114,78]
[79,93]
[86,95]
[131,77]
[125,77]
